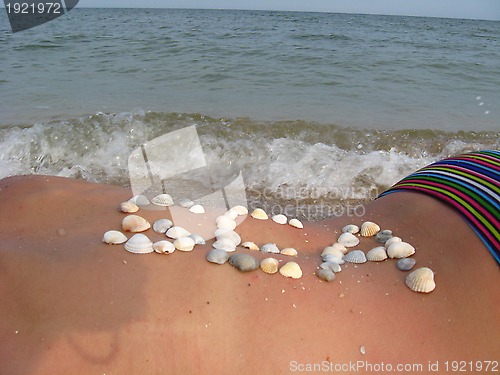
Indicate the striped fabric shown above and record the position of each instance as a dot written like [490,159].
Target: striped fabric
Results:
[470,183]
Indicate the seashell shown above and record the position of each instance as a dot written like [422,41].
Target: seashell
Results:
[369,229]
[391,241]
[225,244]
[240,210]
[244,262]
[333,266]
[421,280]
[400,250]
[185,202]
[325,274]
[162,225]
[259,214]
[290,251]
[217,256]
[225,222]
[270,248]
[232,236]
[140,200]
[139,244]
[197,209]
[164,247]
[269,265]
[231,214]
[333,259]
[291,269]
[250,245]
[405,264]
[377,254]
[184,243]
[355,256]
[177,232]
[296,223]
[280,219]
[129,207]
[340,247]
[221,231]
[198,240]
[335,251]
[135,223]
[383,235]
[164,200]
[351,228]
[114,237]
[348,240]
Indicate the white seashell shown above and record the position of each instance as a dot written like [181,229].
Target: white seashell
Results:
[280,219]
[421,280]
[177,232]
[139,200]
[139,244]
[269,265]
[405,264]
[383,235]
[250,245]
[162,225]
[135,223]
[217,256]
[400,250]
[225,222]
[369,229]
[290,251]
[259,214]
[240,210]
[333,258]
[231,214]
[330,250]
[348,240]
[325,274]
[244,262]
[377,254]
[232,236]
[164,200]
[185,202]
[391,241]
[351,228]
[340,247]
[270,248]
[291,269]
[225,244]
[296,223]
[114,237]
[129,207]
[333,266]
[197,209]
[355,256]
[221,231]
[184,243]
[198,240]
[164,247]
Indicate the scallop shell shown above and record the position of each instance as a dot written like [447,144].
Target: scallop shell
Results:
[184,243]
[340,247]
[269,265]
[259,214]
[400,250]
[290,251]
[355,256]
[198,240]
[225,222]
[231,236]
[185,202]
[421,280]
[177,232]
[197,209]
[333,259]
[377,254]
[291,269]
[139,244]
[250,245]
[240,210]
[383,235]
[348,240]
[325,274]
[296,223]
[114,237]
[335,267]
[350,228]
[369,229]
[331,250]
[280,219]
[244,262]
[405,264]
[164,247]
[135,223]
[162,225]
[139,200]
[217,256]
[225,244]
[391,241]
[270,248]
[164,200]
[129,207]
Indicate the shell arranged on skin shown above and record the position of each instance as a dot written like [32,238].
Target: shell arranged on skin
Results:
[291,269]
[400,250]
[392,240]
[348,240]
[139,244]
[339,246]
[421,280]
[164,200]
[225,244]
[250,245]
[333,258]
[162,225]
[355,256]
[280,219]
[270,248]
[225,222]
[243,262]
[140,200]
[185,202]
[217,256]
[350,228]
[377,254]
[290,251]
[198,240]
[177,232]
[369,229]
[259,214]
[405,264]
[296,223]
[335,267]
[184,243]
[129,207]
[239,210]
[325,274]
[269,265]
[135,223]
[164,247]
[114,237]
[333,250]
[197,209]
[231,214]
[383,235]
[230,235]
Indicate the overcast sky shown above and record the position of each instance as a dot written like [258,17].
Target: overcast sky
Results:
[481,9]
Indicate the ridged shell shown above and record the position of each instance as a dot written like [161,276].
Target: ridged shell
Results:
[164,200]
[230,235]
[355,256]
[139,244]
[348,240]
[405,264]
[400,250]
[135,223]
[369,229]
[269,265]
[217,256]
[421,280]
[164,247]
[377,254]
[184,244]
[162,225]
[225,244]
[270,248]
[391,241]
[197,209]
[259,214]
[335,267]
[225,222]
[290,251]
[140,200]
[350,228]
[383,235]
[177,232]
[250,245]
[296,223]
[129,207]
[333,258]
[280,219]
[198,240]
[291,269]
[185,202]
[325,274]
[331,250]
[240,210]
[244,262]
[114,237]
